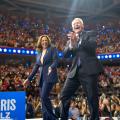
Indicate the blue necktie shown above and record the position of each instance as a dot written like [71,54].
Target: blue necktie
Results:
[78,61]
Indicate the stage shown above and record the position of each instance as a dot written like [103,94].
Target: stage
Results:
[101,118]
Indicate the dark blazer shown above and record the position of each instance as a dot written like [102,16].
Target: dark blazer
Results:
[50,60]
[86,54]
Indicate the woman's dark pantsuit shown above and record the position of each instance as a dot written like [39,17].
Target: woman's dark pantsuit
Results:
[47,109]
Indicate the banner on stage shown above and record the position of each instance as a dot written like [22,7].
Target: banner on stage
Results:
[12,105]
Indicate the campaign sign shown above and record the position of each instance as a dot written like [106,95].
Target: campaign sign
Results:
[12,105]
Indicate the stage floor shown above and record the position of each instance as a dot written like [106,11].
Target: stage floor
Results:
[102,118]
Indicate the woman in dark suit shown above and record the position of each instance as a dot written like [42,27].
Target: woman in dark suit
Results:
[46,62]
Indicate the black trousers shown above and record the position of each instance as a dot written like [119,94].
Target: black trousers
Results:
[90,86]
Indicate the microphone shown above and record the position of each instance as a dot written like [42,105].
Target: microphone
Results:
[69,34]
[72,33]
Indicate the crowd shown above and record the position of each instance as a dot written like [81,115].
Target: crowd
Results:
[108,39]
[17,31]
[23,32]
[12,77]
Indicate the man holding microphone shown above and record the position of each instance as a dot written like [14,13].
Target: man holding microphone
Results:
[84,70]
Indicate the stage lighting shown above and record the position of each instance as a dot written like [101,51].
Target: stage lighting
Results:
[60,54]
[32,52]
[19,51]
[118,56]
[106,56]
[98,56]
[36,52]
[14,51]
[9,50]
[27,52]
[102,57]
[5,50]
[110,56]
[23,51]
[113,56]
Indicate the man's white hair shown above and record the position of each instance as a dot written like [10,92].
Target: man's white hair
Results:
[77,19]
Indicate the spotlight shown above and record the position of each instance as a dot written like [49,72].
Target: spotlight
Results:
[19,51]
[118,55]
[110,56]
[9,50]
[60,54]
[14,51]
[36,52]
[102,57]
[98,56]
[23,51]
[27,52]
[113,56]
[5,50]
[32,52]
[106,56]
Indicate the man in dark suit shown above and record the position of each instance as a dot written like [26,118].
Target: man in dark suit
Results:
[84,70]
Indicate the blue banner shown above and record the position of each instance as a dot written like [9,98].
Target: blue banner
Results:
[12,105]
